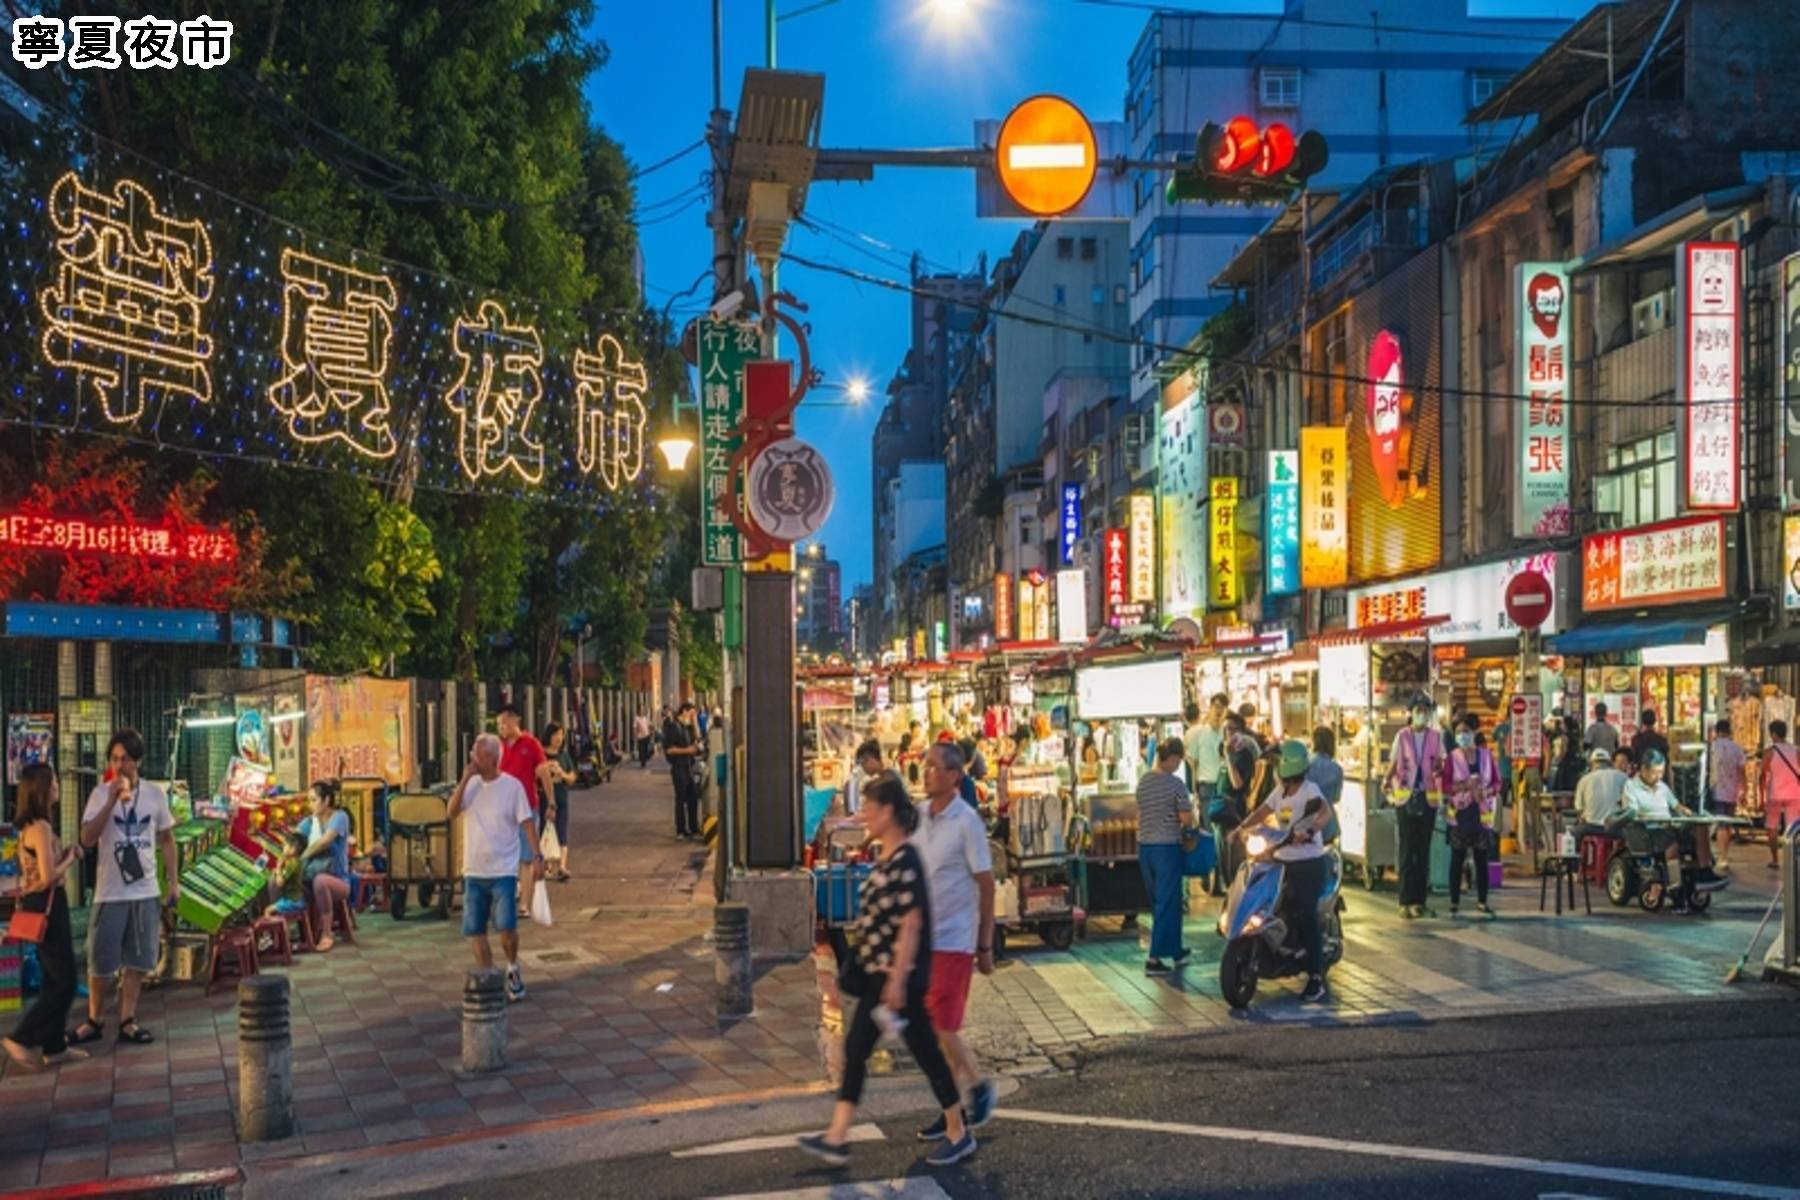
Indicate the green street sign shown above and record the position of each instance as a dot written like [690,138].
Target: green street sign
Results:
[725,347]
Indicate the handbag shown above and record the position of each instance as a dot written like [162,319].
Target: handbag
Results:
[315,866]
[29,926]
[852,980]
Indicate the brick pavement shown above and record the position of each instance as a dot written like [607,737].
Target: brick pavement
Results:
[620,1012]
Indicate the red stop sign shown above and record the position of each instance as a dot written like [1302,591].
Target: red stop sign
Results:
[1528,599]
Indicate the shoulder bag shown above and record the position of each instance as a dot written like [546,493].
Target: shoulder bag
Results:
[28,925]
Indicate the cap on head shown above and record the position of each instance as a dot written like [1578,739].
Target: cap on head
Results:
[1599,754]
[1294,760]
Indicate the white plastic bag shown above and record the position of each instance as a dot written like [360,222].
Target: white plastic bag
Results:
[548,845]
[540,903]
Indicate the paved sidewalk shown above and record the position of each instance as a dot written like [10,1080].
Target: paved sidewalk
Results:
[620,1013]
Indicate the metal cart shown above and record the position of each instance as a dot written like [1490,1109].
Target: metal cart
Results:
[422,852]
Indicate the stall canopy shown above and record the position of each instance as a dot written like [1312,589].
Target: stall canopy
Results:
[1779,650]
[1608,637]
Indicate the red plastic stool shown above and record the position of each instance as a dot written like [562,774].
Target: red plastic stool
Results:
[371,890]
[236,947]
[276,930]
[343,921]
[1596,855]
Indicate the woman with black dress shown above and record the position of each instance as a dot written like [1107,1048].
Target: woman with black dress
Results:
[888,973]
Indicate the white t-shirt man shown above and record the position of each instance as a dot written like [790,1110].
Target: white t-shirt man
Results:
[137,819]
[1287,810]
[955,846]
[494,809]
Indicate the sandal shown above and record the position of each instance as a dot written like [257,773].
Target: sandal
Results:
[131,1031]
[97,1030]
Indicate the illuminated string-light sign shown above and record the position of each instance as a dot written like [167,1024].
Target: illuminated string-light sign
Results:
[87,535]
[124,312]
[497,395]
[337,325]
[609,413]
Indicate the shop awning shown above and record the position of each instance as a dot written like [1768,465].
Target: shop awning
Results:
[1778,650]
[1391,631]
[1608,637]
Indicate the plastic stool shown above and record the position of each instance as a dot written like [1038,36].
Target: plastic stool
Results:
[237,947]
[371,890]
[343,921]
[280,945]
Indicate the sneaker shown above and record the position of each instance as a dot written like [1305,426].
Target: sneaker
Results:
[1182,955]
[1483,909]
[981,1105]
[950,1153]
[1453,913]
[1315,992]
[1425,910]
[934,1132]
[1409,912]
[832,1155]
[1157,966]
[515,984]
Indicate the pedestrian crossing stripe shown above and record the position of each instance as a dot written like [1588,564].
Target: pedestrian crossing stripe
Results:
[780,1141]
[914,1187]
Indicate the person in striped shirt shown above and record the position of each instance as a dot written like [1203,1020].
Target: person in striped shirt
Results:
[1165,812]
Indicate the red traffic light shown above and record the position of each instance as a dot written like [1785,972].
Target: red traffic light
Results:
[1277,153]
[1238,145]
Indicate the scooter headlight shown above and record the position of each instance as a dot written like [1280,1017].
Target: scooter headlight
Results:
[1255,845]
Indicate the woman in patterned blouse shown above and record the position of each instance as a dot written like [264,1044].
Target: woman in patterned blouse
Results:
[891,969]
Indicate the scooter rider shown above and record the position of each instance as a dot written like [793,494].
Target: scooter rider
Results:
[1302,855]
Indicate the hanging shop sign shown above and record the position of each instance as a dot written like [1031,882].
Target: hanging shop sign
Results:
[1473,599]
[1113,562]
[1540,412]
[1225,423]
[1003,607]
[1222,562]
[1655,565]
[1071,521]
[1525,734]
[1143,548]
[1071,605]
[724,348]
[357,726]
[1790,559]
[1790,381]
[790,490]
[1182,476]
[940,641]
[1324,506]
[1281,536]
[1034,607]
[1707,299]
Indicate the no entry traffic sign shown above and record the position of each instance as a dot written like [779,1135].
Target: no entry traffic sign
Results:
[1046,156]
[1529,598]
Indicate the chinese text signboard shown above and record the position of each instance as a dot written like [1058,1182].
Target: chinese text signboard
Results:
[1113,555]
[1070,534]
[1034,607]
[724,349]
[1143,548]
[1182,466]
[1708,373]
[1672,563]
[1790,381]
[1790,561]
[1003,607]
[357,726]
[1540,417]
[1324,506]
[1281,534]
[1388,607]
[1222,560]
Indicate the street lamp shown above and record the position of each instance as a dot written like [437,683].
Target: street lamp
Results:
[675,444]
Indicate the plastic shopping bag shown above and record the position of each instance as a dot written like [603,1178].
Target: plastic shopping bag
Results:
[549,845]
[540,903]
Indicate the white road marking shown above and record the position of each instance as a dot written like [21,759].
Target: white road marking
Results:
[780,1141]
[914,1187]
[1046,156]
[1460,1158]
[1560,965]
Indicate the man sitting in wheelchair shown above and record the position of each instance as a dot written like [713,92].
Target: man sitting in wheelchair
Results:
[1647,798]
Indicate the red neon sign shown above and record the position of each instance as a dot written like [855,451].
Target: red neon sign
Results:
[84,535]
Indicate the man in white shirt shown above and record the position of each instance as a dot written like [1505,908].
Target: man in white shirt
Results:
[1599,794]
[128,818]
[959,872]
[498,816]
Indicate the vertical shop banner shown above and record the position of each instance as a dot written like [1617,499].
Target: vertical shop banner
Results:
[1071,605]
[1281,531]
[1222,561]
[1114,556]
[1790,381]
[286,713]
[1143,548]
[1324,506]
[359,727]
[30,739]
[1790,562]
[724,349]
[1003,607]
[1671,563]
[1034,607]
[1707,373]
[1071,521]
[1541,409]
[940,641]
[1181,464]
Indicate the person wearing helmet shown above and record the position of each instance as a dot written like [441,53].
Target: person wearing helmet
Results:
[1299,806]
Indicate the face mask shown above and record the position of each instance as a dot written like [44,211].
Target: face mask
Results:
[1466,740]
[1419,720]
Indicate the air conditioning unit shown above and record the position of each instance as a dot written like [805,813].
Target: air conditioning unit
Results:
[1650,315]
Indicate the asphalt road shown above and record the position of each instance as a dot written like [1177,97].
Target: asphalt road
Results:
[1640,1102]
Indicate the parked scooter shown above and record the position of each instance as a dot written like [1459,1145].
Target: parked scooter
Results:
[1261,943]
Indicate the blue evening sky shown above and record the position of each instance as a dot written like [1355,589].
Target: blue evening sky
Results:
[899,73]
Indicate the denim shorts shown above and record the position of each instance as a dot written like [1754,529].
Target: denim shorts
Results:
[485,899]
